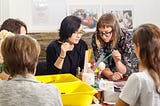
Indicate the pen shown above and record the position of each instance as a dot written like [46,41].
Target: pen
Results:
[60,42]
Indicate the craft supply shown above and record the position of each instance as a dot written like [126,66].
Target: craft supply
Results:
[86,61]
[97,63]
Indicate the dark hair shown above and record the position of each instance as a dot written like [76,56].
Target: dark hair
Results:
[13,25]
[109,20]
[20,54]
[69,25]
[147,38]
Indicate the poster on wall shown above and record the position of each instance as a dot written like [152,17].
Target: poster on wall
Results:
[124,15]
[46,17]
[40,10]
[89,15]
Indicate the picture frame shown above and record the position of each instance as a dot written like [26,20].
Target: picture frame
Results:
[123,13]
[89,15]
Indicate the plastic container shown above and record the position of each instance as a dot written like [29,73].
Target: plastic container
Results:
[73,91]
[57,78]
[76,93]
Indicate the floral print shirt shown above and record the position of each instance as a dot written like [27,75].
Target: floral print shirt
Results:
[125,46]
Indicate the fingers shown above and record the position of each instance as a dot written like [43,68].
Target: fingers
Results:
[116,55]
[117,76]
[67,46]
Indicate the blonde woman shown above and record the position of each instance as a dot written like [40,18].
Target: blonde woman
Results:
[3,35]
[111,40]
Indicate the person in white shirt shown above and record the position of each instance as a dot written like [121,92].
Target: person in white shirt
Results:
[20,54]
[143,88]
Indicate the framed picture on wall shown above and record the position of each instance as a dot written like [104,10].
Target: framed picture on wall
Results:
[89,15]
[124,15]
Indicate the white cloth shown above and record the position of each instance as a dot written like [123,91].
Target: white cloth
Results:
[140,90]
[21,91]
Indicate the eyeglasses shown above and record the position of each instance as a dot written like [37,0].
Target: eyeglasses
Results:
[107,34]
[79,33]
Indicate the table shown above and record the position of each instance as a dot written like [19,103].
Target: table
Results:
[100,95]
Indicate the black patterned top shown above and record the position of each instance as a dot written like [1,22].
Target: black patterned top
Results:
[125,46]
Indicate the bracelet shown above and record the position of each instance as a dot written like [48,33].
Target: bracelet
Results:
[61,57]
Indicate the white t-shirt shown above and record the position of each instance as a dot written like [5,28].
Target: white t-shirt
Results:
[140,90]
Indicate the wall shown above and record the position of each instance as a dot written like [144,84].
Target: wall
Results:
[145,11]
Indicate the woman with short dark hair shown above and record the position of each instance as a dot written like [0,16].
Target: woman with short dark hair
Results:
[66,54]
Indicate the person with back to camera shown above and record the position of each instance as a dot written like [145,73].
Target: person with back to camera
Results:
[15,26]
[20,54]
[143,88]
[10,25]
[66,54]
[108,39]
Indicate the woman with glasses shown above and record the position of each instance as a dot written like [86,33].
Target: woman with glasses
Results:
[111,40]
[66,54]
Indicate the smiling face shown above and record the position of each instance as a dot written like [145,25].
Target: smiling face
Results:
[74,39]
[105,33]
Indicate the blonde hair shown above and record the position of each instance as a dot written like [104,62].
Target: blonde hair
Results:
[20,54]
[3,35]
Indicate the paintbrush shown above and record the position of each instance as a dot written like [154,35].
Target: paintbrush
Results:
[100,60]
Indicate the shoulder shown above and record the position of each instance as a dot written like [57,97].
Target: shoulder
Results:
[140,77]
[48,87]
[82,44]
[94,36]
[53,43]
[126,34]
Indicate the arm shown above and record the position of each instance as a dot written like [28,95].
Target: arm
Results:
[121,103]
[110,75]
[52,55]
[120,67]
[128,54]
[64,48]
[135,88]
[107,72]
[4,76]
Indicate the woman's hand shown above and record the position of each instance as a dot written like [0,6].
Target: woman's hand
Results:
[116,76]
[116,56]
[66,47]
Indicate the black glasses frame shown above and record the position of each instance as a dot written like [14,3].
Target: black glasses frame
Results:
[104,33]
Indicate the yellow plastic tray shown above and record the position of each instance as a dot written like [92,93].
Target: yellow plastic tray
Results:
[76,93]
[73,91]
[57,78]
